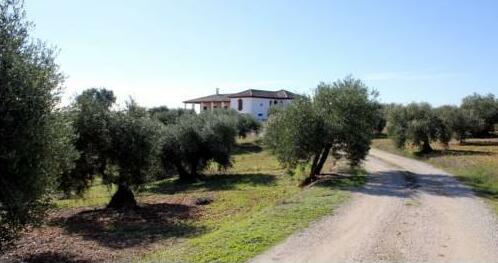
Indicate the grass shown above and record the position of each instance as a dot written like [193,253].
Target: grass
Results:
[475,163]
[241,238]
[255,205]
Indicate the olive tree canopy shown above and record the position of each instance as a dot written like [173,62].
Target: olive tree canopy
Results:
[36,139]
[338,120]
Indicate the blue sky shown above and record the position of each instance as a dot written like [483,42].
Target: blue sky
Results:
[163,52]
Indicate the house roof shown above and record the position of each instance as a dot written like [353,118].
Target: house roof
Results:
[280,94]
[211,98]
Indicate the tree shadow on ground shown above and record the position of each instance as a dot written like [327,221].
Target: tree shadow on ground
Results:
[53,257]
[450,152]
[404,184]
[481,143]
[245,148]
[143,225]
[216,182]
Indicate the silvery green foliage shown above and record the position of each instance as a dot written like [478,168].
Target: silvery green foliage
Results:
[484,107]
[36,138]
[462,123]
[418,124]
[91,114]
[135,147]
[338,120]
[196,140]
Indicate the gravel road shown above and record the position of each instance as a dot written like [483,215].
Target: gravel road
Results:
[409,211]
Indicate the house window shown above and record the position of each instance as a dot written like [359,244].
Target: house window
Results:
[225,107]
[270,102]
[205,108]
[215,107]
[275,102]
[240,104]
[260,114]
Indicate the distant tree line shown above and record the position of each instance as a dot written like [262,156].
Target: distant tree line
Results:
[421,124]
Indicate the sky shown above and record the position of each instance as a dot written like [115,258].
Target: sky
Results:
[163,52]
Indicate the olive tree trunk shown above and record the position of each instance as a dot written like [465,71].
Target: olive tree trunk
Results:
[317,165]
[426,147]
[323,159]
[123,198]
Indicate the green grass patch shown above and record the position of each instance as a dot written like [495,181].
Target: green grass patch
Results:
[97,195]
[242,238]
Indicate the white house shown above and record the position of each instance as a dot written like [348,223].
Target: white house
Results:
[254,102]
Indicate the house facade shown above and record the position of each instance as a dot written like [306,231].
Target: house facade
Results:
[251,101]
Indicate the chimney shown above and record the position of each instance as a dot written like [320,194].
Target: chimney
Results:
[217,91]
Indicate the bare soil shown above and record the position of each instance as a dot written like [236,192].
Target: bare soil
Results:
[409,211]
[87,235]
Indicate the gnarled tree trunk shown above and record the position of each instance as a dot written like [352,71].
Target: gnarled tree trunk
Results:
[183,175]
[323,159]
[426,147]
[317,166]
[123,198]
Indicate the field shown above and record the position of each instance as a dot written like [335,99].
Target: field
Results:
[475,163]
[250,207]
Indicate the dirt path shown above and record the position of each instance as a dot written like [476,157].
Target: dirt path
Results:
[408,212]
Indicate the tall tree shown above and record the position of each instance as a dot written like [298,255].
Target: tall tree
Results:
[36,139]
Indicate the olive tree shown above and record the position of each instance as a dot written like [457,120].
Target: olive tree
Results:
[348,108]
[134,153]
[462,123]
[35,137]
[296,136]
[121,147]
[482,107]
[245,123]
[168,116]
[91,114]
[338,120]
[380,119]
[195,141]
[419,124]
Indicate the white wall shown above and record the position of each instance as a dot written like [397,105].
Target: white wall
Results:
[257,107]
